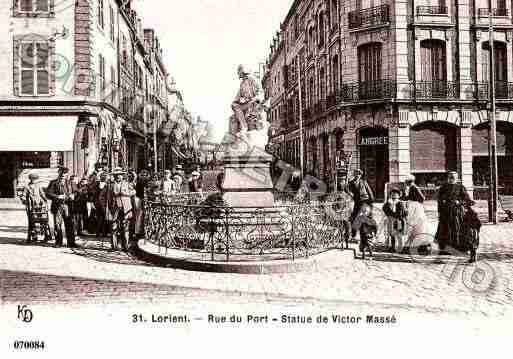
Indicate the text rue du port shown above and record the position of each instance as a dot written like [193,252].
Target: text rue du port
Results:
[302,319]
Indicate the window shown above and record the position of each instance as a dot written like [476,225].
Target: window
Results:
[112,37]
[101,20]
[369,62]
[34,5]
[334,73]
[34,68]
[322,84]
[321,29]
[334,12]
[113,84]
[500,57]
[101,70]
[124,57]
[311,92]
[433,61]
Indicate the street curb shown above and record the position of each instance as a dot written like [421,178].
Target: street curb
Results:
[329,259]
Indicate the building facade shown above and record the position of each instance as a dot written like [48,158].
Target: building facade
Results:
[402,86]
[79,80]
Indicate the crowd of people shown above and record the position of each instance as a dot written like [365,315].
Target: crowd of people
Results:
[104,204]
[110,204]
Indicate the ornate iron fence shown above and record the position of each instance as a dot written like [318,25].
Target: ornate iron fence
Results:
[495,12]
[297,226]
[373,16]
[503,90]
[431,10]
[368,90]
[436,90]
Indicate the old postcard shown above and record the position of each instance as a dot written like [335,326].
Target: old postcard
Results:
[243,178]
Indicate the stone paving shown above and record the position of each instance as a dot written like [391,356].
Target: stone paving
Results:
[92,274]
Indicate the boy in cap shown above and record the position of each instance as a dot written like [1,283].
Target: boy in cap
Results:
[33,197]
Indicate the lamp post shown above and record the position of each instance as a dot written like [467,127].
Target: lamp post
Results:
[492,138]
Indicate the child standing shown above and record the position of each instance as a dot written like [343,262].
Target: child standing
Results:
[396,213]
[472,227]
[368,228]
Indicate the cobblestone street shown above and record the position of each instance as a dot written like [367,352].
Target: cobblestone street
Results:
[91,289]
[92,274]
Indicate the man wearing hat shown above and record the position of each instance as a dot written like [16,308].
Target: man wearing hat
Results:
[59,191]
[122,193]
[362,194]
[33,197]
[195,184]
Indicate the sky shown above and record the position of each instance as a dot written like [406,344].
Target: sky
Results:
[204,41]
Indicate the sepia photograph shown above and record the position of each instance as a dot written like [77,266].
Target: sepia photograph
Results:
[249,178]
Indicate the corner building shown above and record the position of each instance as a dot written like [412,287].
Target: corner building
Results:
[401,85]
[76,88]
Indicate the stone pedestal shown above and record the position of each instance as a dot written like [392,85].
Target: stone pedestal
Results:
[247,181]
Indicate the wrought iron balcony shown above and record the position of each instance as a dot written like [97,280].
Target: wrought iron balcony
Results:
[431,10]
[436,90]
[373,16]
[368,90]
[503,90]
[495,12]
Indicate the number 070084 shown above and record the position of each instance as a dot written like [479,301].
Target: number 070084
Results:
[29,344]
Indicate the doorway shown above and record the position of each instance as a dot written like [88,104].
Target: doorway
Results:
[373,145]
[7,174]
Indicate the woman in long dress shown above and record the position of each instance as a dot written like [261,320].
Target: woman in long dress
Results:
[452,199]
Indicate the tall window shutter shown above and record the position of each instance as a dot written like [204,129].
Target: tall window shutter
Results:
[53,66]
[16,68]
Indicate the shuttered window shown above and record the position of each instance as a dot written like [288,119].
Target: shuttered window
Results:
[101,71]
[101,18]
[34,68]
[369,62]
[334,74]
[322,84]
[433,62]
[433,148]
[501,62]
[504,140]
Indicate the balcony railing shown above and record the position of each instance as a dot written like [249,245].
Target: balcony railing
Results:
[503,90]
[436,90]
[369,90]
[431,10]
[373,16]
[495,12]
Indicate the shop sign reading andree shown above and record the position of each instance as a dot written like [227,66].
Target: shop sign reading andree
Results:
[373,141]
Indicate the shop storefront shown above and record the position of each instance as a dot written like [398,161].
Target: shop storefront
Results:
[373,150]
[433,152]
[480,159]
[33,144]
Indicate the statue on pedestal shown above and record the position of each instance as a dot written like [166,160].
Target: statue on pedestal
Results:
[248,124]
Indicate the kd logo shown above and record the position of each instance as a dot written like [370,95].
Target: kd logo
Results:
[25,314]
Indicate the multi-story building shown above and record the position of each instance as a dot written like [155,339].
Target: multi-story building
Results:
[400,85]
[77,88]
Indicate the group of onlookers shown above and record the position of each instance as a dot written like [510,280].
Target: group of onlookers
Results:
[458,226]
[102,204]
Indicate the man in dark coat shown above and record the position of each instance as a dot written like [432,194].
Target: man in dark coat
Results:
[452,200]
[60,192]
[362,194]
